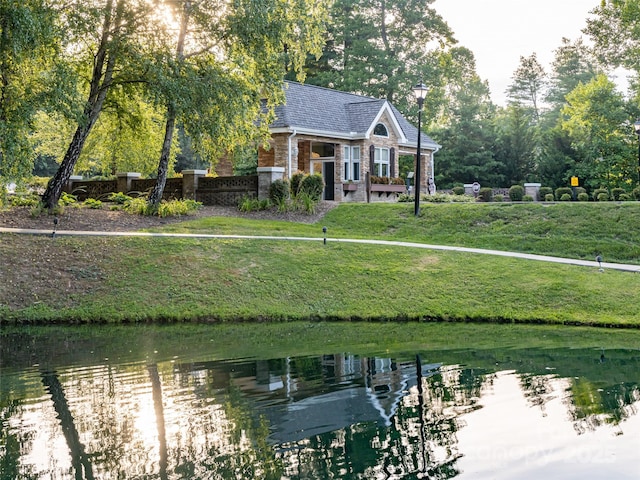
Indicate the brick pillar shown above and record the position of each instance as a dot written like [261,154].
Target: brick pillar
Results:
[266,176]
[190,182]
[124,180]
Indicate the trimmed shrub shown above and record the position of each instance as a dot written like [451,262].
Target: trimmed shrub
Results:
[516,192]
[583,197]
[543,192]
[636,193]
[616,192]
[485,194]
[498,198]
[278,191]
[625,197]
[601,194]
[313,186]
[548,197]
[296,180]
[562,191]
[566,197]
[527,198]
[458,190]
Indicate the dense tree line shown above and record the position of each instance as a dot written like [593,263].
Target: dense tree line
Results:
[570,121]
[113,85]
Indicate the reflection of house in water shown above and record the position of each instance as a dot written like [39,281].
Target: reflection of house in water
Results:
[308,396]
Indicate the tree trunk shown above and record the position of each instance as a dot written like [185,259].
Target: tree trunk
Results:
[101,79]
[163,165]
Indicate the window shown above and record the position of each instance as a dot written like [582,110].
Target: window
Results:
[380,130]
[322,150]
[351,163]
[381,162]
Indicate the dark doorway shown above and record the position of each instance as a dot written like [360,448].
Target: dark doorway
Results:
[328,172]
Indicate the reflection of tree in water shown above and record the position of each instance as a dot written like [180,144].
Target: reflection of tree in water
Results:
[537,389]
[11,442]
[591,406]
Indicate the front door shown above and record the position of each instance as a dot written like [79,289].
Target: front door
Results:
[328,174]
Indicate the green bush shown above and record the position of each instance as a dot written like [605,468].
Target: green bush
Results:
[583,197]
[625,197]
[562,191]
[458,190]
[485,194]
[28,200]
[498,198]
[296,180]
[92,203]
[566,197]
[118,197]
[636,193]
[601,194]
[549,197]
[516,192]
[543,192]
[616,192]
[527,198]
[278,191]
[174,208]
[313,186]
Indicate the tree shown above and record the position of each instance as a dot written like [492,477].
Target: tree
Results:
[615,31]
[528,84]
[381,49]
[27,48]
[466,126]
[596,119]
[113,33]
[224,77]
[516,144]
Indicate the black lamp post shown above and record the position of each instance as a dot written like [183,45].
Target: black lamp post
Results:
[420,91]
[636,126]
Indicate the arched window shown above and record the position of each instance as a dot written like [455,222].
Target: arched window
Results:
[380,130]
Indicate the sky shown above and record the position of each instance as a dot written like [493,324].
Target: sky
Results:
[499,32]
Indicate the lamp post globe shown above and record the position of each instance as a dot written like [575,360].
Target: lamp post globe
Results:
[420,91]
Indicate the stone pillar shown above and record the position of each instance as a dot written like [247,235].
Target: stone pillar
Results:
[266,176]
[69,187]
[190,182]
[124,181]
[533,189]
[468,189]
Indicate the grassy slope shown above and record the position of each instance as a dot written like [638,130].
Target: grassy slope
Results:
[179,279]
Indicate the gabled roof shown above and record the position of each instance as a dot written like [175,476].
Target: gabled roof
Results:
[331,113]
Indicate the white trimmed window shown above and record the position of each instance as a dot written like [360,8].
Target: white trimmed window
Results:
[381,162]
[380,130]
[351,163]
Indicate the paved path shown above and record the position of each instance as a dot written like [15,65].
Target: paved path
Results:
[527,256]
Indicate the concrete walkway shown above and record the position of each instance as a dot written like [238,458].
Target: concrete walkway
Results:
[527,256]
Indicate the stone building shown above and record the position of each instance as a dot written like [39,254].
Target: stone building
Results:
[347,138]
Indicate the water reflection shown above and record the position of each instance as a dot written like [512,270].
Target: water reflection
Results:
[330,416]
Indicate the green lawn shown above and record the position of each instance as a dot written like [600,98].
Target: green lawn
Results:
[177,279]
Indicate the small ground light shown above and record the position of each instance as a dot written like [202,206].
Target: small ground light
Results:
[599,260]
[55,227]
[324,231]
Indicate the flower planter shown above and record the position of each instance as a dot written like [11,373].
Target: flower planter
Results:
[388,189]
[349,187]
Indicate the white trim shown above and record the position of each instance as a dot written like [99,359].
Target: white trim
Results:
[318,133]
[271,169]
[396,126]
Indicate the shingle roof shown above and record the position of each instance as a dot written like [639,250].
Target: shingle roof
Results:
[324,110]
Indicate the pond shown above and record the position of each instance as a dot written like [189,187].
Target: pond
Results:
[83,407]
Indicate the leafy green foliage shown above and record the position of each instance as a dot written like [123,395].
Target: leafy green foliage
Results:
[312,185]
[278,191]
[92,203]
[516,192]
[485,194]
